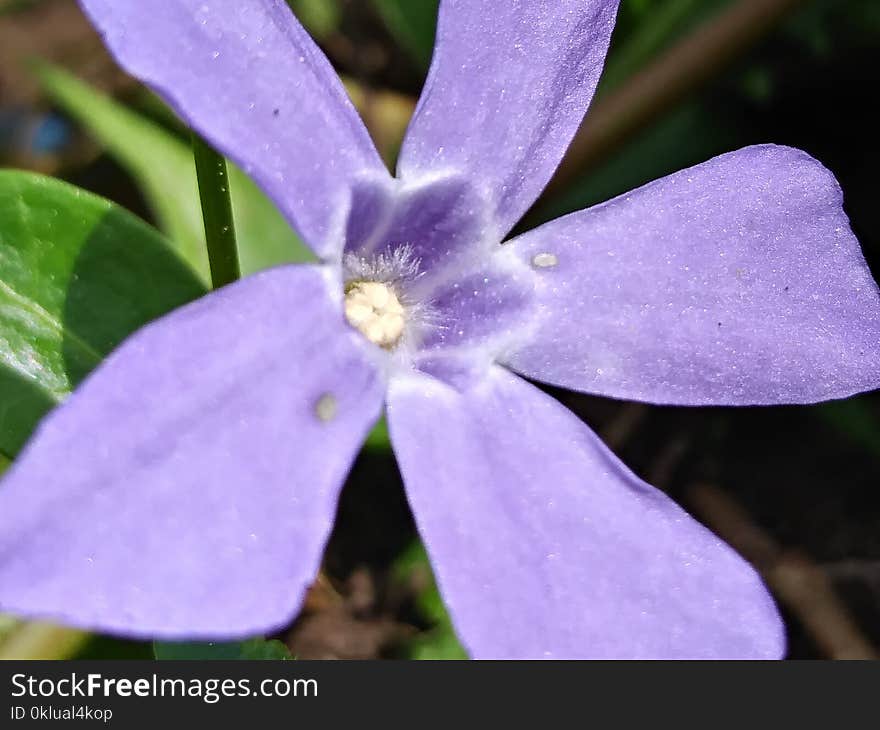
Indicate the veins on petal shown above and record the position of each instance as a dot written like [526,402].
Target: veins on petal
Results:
[423,271]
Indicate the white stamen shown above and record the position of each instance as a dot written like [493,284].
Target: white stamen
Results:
[397,265]
[544,260]
[373,308]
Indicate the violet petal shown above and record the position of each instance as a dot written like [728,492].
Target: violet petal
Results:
[482,309]
[186,489]
[248,77]
[443,223]
[508,87]
[545,545]
[734,282]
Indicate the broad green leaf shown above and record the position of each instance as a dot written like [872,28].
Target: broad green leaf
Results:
[412,24]
[77,275]
[162,165]
[440,641]
[250,649]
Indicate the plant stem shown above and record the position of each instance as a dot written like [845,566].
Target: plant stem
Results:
[217,213]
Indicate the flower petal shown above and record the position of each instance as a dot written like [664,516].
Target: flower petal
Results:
[187,488]
[247,77]
[442,223]
[735,282]
[508,87]
[545,545]
[481,309]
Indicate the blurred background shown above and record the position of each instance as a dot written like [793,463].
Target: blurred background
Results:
[795,489]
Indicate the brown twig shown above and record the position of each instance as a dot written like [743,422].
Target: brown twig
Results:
[794,579]
[621,428]
[676,73]
[671,456]
[617,116]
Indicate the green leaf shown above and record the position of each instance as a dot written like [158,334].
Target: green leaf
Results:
[99,646]
[216,201]
[162,165]
[320,17]
[657,26]
[412,24]
[265,238]
[440,641]
[378,438]
[250,649]
[855,419]
[265,649]
[77,275]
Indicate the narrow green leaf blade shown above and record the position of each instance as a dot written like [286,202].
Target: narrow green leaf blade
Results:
[77,275]
[412,24]
[320,17]
[440,641]
[161,163]
[265,238]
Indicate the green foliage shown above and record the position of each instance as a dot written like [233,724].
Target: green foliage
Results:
[378,439]
[111,647]
[412,24]
[77,275]
[250,649]
[439,642]
[162,165]
[855,419]
[826,26]
[213,177]
[319,17]
[652,26]
[657,152]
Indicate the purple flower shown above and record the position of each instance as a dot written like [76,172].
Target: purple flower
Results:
[188,487]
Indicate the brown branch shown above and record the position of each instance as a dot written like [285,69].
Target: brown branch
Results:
[792,577]
[617,116]
[675,74]
[626,422]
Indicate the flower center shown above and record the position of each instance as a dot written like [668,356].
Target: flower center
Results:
[374,309]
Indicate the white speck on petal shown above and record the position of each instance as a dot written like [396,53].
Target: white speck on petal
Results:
[325,408]
[544,260]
